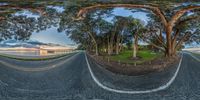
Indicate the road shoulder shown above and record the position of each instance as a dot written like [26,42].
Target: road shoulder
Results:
[132,84]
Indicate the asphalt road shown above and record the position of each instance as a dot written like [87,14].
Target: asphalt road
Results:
[72,80]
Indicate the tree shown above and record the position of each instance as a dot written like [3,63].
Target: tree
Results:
[168,24]
[136,27]
[21,27]
[115,37]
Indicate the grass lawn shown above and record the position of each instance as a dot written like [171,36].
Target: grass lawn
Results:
[125,56]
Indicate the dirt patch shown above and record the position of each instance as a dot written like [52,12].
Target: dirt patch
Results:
[155,65]
[136,58]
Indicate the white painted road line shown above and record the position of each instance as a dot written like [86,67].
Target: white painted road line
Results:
[192,56]
[36,69]
[133,92]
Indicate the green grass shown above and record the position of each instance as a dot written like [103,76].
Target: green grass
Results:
[125,56]
[194,53]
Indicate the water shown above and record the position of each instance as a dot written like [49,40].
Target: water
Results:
[33,53]
[32,31]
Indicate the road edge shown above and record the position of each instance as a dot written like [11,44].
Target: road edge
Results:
[33,59]
[133,92]
[192,56]
[37,69]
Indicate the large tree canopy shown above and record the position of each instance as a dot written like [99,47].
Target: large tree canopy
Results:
[172,23]
[168,23]
[21,27]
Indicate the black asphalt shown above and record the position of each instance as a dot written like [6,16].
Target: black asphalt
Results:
[72,81]
[33,64]
[197,55]
[137,83]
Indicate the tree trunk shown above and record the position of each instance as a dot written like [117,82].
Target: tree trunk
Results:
[174,47]
[95,43]
[167,24]
[136,42]
[174,42]
[135,45]
[109,51]
[121,42]
[117,44]
[96,49]
[168,36]
[160,36]
[112,41]
[117,48]
[134,51]
[111,47]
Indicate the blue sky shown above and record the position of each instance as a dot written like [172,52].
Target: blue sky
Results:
[26,13]
[49,35]
[59,9]
[52,36]
[125,12]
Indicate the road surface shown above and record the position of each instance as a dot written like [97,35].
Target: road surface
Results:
[71,79]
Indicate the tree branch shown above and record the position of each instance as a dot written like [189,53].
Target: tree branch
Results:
[162,43]
[185,20]
[155,10]
[179,13]
[182,40]
[90,34]
[2,18]
[150,43]
[175,36]
[38,9]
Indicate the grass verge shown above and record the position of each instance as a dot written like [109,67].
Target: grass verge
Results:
[197,54]
[125,56]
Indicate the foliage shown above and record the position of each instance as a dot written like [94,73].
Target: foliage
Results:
[95,33]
